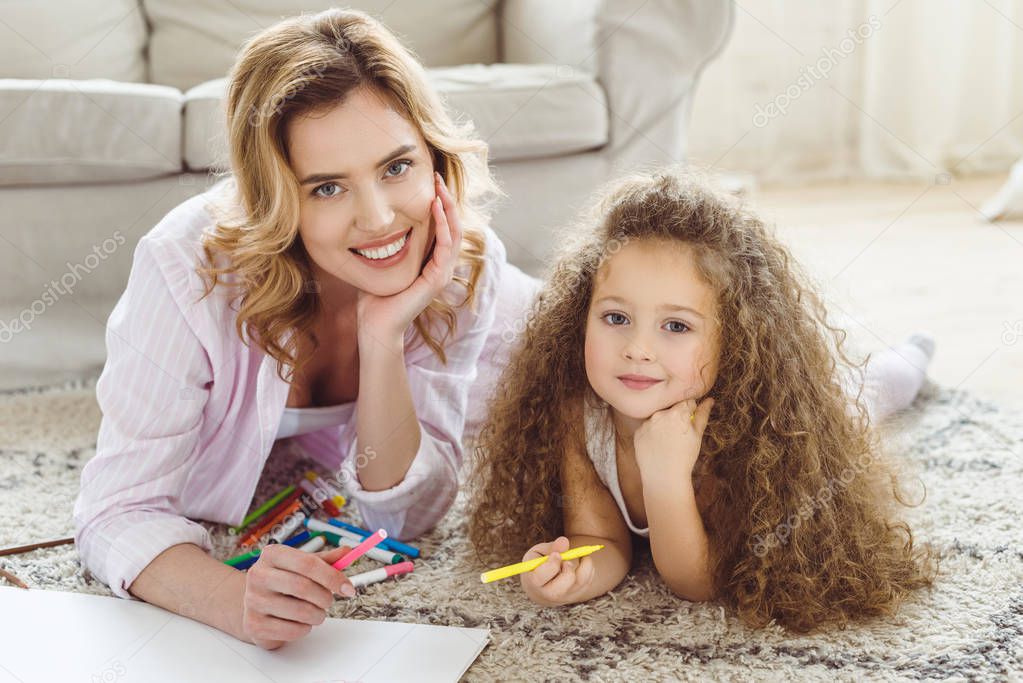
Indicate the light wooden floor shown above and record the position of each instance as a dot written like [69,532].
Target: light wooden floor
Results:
[902,257]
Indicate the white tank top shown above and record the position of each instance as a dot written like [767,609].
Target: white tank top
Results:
[600,446]
[296,421]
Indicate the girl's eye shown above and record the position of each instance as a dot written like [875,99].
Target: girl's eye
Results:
[403,164]
[615,318]
[676,326]
[323,194]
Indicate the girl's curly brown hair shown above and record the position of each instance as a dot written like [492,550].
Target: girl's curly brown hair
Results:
[801,516]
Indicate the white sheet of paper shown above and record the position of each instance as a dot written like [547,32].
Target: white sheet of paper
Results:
[60,636]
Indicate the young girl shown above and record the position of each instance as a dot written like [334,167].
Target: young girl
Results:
[678,381]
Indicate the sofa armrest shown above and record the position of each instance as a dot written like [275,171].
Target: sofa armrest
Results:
[647,55]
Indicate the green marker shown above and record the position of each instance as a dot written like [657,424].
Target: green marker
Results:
[261,510]
[238,559]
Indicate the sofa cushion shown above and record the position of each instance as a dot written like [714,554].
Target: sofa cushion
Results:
[520,110]
[528,110]
[75,39]
[205,142]
[62,131]
[193,41]
[541,31]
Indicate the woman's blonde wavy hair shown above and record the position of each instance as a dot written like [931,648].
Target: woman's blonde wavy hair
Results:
[301,65]
[800,516]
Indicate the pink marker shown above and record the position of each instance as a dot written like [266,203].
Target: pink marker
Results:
[360,550]
[377,575]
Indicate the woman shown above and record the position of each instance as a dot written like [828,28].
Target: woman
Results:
[341,289]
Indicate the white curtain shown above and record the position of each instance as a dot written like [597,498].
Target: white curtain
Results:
[864,88]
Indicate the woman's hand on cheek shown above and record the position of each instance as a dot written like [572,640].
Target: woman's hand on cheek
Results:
[668,442]
[387,317]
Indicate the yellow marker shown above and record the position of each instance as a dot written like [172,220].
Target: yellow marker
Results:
[530,565]
[335,495]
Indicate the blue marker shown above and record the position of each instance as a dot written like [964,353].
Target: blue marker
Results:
[298,539]
[245,564]
[388,543]
[294,542]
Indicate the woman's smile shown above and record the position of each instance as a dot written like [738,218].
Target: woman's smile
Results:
[383,255]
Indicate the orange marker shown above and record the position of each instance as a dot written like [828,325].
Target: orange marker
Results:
[255,535]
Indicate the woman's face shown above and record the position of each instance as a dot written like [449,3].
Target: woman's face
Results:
[366,183]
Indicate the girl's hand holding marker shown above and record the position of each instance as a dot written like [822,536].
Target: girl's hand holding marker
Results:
[550,570]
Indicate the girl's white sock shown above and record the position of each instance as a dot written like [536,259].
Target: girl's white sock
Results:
[1008,202]
[893,377]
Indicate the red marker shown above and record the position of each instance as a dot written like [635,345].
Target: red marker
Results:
[320,496]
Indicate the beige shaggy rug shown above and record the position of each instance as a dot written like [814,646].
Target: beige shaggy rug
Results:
[968,453]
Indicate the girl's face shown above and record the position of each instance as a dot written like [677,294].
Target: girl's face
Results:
[651,330]
[366,183]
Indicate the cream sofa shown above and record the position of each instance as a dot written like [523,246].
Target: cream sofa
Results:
[110,115]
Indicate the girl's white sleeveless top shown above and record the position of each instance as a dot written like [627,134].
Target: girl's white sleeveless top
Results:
[600,446]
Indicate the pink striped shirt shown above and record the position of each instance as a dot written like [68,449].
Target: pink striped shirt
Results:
[190,413]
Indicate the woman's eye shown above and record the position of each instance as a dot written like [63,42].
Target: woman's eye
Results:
[676,326]
[403,164]
[323,190]
[615,318]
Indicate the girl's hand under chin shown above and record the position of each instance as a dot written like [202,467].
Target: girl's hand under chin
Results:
[387,317]
[668,442]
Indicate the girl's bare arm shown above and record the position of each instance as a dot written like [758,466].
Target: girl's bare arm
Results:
[591,517]
[678,539]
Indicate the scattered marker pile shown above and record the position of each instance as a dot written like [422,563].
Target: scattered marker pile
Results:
[280,519]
